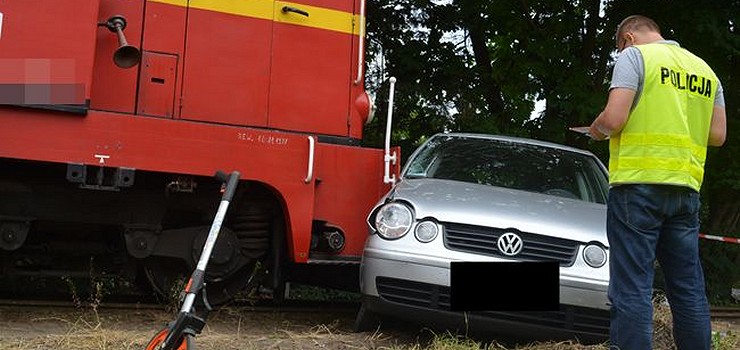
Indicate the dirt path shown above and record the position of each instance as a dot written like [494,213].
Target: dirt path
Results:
[65,328]
[26,328]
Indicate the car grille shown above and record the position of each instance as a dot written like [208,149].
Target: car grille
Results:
[482,240]
[432,296]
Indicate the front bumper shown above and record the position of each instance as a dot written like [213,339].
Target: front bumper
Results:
[586,325]
[416,286]
[580,285]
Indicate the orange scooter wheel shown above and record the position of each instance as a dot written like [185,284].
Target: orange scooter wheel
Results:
[187,342]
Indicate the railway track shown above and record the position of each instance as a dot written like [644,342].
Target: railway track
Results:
[297,306]
[726,313]
[82,295]
[291,306]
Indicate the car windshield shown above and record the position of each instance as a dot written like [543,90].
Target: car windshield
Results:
[515,165]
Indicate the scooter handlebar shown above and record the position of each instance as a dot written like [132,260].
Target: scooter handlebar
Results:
[231,180]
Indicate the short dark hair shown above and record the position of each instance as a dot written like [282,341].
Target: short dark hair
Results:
[636,22]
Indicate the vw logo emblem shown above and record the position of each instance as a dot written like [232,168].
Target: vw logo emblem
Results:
[510,244]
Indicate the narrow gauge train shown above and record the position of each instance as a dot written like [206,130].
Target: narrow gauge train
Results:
[114,116]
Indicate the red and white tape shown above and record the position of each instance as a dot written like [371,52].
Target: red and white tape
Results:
[720,238]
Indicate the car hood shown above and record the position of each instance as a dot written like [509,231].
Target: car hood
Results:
[483,205]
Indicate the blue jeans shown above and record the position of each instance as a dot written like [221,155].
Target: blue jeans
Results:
[645,222]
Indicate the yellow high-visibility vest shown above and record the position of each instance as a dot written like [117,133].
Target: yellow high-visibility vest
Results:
[664,140]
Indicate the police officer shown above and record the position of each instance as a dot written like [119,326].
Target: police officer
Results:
[665,107]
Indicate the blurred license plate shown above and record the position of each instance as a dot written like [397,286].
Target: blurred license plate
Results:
[504,286]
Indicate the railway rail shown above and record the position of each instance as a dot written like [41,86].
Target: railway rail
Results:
[297,306]
[726,313]
[292,306]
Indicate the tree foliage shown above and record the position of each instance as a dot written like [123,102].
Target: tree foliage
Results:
[481,65]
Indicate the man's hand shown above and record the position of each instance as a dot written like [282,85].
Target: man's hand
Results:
[595,133]
[614,116]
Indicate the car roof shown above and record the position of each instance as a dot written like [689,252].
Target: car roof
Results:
[514,140]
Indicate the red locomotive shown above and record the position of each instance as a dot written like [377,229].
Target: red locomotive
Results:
[114,115]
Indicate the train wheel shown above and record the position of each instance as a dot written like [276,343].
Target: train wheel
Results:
[187,342]
[168,278]
[243,242]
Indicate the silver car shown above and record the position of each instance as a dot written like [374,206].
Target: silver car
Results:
[458,195]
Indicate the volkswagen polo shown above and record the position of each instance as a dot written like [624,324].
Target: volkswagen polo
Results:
[484,198]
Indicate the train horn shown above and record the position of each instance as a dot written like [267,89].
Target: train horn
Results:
[126,56]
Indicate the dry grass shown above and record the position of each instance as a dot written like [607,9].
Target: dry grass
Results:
[447,342]
[226,330]
[242,329]
[725,337]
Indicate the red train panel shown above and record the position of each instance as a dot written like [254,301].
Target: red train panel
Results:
[114,89]
[165,34]
[227,68]
[165,26]
[157,85]
[43,62]
[305,86]
[340,168]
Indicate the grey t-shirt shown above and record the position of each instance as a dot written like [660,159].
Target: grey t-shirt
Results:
[629,72]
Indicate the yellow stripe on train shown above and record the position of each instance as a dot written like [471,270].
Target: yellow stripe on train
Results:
[318,17]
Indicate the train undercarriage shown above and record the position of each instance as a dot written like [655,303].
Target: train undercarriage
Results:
[60,220]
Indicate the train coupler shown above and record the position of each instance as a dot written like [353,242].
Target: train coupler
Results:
[99,177]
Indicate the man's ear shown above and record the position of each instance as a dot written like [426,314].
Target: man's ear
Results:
[629,38]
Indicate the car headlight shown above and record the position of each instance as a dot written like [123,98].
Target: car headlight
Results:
[426,231]
[393,220]
[594,255]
